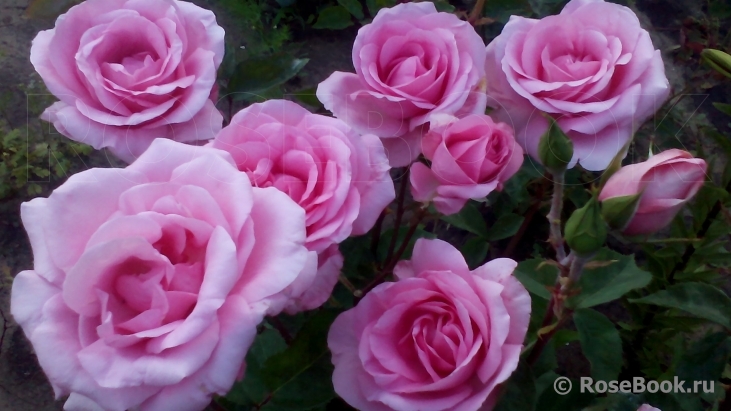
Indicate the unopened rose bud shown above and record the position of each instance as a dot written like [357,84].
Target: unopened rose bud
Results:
[586,231]
[618,211]
[555,149]
[664,184]
[717,60]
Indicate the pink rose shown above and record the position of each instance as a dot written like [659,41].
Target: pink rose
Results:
[647,407]
[469,158]
[130,71]
[341,179]
[592,68]
[149,281]
[410,63]
[441,338]
[665,183]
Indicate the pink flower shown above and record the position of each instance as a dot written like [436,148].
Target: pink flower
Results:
[647,407]
[130,71]
[410,63]
[469,158]
[149,281]
[665,183]
[441,338]
[592,68]
[341,179]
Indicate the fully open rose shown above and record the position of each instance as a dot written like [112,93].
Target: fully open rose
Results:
[149,282]
[130,71]
[592,68]
[665,183]
[341,179]
[470,158]
[410,63]
[441,338]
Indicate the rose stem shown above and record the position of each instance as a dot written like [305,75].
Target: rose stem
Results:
[376,235]
[554,216]
[388,269]
[274,321]
[399,216]
[476,11]
[515,240]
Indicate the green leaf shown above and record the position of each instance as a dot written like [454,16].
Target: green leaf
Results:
[600,343]
[261,73]
[333,18]
[474,251]
[520,391]
[443,5]
[375,5]
[607,283]
[300,376]
[536,277]
[252,390]
[505,226]
[702,300]
[469,219]
[574,400]
[724,108]
[706,359]
[354,7]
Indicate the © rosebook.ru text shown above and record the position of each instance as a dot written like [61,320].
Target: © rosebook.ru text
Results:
[639,385]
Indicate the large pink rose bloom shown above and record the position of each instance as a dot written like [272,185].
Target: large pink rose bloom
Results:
[470,158]
[410,63]
[665,183]
[149,282]
[592,68]
[130,71]
[440,339]
[341,179]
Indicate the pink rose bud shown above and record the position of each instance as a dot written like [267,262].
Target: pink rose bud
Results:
[469,157]
[664,183]
[410,63]
[339,178]
[592,68]
[149,281]
[441,338]
[648,407]
[128,72]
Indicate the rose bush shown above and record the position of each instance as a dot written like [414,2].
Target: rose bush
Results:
[470,158]
[593,68]
[411,62]
[130,71]
[149,282]
[440,338]
[664,183]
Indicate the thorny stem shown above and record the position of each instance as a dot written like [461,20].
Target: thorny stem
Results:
[274,321]
[376,236]
[388,268]
[476,12]
[555,306]
[554,216]
[515,240]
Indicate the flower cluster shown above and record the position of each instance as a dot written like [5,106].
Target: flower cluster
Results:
[149,282]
